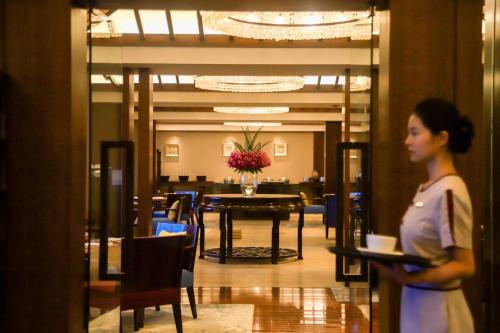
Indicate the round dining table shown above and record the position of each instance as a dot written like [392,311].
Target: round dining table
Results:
[274,204]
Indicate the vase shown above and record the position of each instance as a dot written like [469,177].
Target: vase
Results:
[248,184]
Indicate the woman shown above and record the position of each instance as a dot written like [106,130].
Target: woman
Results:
[437,224]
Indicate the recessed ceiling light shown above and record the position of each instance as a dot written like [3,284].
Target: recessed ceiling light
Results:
[250,124]
[252,110]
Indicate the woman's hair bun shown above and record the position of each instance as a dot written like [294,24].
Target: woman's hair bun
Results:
[438,114]
[464,132]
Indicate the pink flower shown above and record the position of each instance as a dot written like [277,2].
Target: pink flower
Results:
[251,161]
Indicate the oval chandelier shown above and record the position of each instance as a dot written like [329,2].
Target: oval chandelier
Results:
[360,83]
[291,25]
[249,83]
[252,110]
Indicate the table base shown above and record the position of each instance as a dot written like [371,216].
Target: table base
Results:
[252,252]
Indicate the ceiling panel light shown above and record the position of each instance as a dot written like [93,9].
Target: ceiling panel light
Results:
[98,79]
[252,110]
[124,21]
[250,124]
[310,79]
[168,79]
[118,79]
[185,22]
[154,21]
[186,79]
[291,25]
[328,80]
[249,83]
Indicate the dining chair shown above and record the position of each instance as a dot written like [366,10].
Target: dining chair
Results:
[331,212]
[191,245]
[155,277]
[313,208]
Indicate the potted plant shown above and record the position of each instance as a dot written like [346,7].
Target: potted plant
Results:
[249,159]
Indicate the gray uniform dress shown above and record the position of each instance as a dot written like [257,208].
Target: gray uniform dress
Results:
[438,218]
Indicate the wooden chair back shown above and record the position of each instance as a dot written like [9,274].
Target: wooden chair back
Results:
[191,243]
[157,263]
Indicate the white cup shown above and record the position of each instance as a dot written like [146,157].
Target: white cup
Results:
[380,243]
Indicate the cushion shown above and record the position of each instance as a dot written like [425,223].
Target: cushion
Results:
[315,209]
[159,213]
[172,213]
[164,233]
[187,278]
[303,196]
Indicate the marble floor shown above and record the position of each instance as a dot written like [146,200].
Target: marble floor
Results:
[317,269]
[292,296]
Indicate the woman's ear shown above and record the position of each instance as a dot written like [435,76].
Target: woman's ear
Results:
[443,138]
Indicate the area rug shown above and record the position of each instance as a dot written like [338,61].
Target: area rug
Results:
[212,318]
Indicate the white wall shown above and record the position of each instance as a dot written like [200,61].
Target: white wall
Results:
[200,153]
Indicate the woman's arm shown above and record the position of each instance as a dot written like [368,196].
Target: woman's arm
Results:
[459,267]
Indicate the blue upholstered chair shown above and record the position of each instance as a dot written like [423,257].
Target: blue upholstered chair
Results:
[187,279]
[331,212]
[188,214]
[310,208]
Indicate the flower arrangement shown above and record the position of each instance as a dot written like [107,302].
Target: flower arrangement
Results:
[249,157]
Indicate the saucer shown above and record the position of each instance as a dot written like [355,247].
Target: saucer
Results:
[366,250]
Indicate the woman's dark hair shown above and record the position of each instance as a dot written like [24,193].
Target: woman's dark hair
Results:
[438,115]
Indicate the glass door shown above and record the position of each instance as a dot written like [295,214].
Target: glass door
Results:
[110,199]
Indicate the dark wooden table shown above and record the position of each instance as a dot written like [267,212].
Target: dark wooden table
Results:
[225,204]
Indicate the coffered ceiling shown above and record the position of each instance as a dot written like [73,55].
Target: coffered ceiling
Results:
[171,39]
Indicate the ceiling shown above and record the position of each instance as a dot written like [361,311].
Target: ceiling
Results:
[175,44]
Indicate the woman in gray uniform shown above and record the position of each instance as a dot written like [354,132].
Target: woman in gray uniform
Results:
[437,224]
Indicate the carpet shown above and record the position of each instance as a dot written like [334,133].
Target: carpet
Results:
[212,318]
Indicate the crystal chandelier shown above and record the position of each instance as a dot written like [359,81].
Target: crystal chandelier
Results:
[291,25]
[251,110]
[249,83]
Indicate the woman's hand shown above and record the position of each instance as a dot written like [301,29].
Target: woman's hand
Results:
[396,272]
[460,266]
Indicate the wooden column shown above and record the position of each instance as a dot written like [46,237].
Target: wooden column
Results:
[319,152]
[347,152]
[145,151]
[128,105]
[333,134]
[155,161]
[42,224]
[427,48]
[491,255]
[127,131]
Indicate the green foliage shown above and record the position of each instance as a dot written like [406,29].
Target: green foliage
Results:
[250,141]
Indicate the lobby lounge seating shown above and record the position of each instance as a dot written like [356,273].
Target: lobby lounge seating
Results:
[187,280]
[313,205]
[331,211]
[156,277]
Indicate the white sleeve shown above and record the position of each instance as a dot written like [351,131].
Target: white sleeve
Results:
[455,221]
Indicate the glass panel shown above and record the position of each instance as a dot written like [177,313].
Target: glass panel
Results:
[103,302]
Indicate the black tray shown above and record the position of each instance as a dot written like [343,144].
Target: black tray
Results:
[381,257]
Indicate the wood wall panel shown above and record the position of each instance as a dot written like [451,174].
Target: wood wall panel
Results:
[333,135]
[439,58]
[319,152]
[47,117]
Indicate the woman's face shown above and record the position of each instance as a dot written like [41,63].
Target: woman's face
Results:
[422,145]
